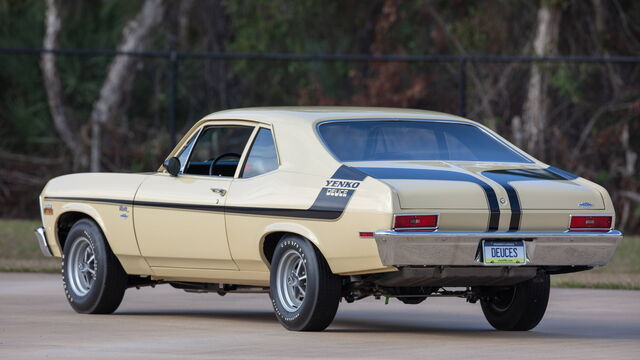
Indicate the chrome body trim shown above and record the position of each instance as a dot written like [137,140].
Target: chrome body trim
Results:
[42,241]
[462,248]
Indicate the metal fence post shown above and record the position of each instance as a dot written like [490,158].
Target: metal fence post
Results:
[173,101]
[462,87]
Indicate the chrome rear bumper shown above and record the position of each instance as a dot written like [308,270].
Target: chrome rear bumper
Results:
[462,248]
[42,241]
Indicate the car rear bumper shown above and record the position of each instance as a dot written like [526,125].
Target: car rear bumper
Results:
[42,241]
[463,248]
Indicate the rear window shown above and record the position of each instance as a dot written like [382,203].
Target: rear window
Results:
[413,140]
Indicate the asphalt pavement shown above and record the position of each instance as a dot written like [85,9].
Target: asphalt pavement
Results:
[165,323]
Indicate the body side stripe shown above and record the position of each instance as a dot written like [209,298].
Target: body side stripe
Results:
[325,207]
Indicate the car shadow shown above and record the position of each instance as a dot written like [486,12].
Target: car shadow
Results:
[575,330]
[238,315]
[553,329]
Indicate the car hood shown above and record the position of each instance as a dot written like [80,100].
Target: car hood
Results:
[472,185]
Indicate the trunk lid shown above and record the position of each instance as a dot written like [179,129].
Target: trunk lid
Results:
[471,185]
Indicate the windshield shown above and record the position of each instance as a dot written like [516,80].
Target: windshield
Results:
[413,140]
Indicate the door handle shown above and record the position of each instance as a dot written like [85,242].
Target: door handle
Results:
[221,192]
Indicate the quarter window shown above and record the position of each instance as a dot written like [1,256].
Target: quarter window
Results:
[186,150]
[262,157]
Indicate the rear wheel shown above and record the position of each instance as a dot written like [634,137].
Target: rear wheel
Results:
[304,292]
[94,280]
[519,307]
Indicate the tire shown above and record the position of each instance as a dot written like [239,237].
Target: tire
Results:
[94,281]
[304,292]
[517,308]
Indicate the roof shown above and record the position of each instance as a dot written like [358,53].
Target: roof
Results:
[274,115]
[294,129]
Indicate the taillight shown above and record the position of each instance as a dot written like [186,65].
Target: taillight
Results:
[590,223]
[415,223]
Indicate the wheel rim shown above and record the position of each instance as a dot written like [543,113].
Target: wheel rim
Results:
[291,280]
[503,300]
[81,266]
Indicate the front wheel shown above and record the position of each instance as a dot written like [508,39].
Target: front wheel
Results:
[304,292]
[519,307]
[94,280]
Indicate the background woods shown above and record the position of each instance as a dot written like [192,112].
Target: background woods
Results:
[64,112]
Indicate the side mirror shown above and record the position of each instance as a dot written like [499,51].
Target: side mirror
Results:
[172,165]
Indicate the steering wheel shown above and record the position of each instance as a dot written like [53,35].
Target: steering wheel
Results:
[217,158]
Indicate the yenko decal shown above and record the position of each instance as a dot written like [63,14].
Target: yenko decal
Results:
[337,192]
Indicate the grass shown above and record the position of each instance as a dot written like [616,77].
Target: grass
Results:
[19,251]
[622,272]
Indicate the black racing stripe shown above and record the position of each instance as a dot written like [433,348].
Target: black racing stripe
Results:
[198,207]
[514,201]
[516,209]
[293,213]
[98,200]
[564,174]
[431,174]
[506,176]
[289,213]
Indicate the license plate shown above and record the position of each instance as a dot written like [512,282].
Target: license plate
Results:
[504,252]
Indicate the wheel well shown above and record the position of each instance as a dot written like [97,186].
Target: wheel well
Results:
[64,224]
[270,242]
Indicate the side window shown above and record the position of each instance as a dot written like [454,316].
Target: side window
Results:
[217,151]
[262,157]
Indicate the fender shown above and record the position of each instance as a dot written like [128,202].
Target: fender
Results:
[119,234]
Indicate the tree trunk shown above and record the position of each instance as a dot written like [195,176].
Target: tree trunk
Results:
[53,87]
[115,89]
[118,83]
[537,102]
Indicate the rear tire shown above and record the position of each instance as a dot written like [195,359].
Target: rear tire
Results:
[94,281]
[304,292]
[517,308]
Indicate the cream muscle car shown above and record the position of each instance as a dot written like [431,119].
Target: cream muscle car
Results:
[318,204]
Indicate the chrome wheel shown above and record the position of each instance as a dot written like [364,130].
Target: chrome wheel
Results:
[291,281]
[81,266]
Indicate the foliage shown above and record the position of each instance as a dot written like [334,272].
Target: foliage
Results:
[593,107]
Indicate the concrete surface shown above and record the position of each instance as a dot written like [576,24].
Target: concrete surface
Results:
[164,323]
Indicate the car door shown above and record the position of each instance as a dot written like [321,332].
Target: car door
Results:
[179,220]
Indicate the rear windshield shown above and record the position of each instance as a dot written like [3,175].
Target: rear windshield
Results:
[413,140]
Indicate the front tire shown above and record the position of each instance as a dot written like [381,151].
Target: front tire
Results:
[304,292]
[519,307]
[93,278]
